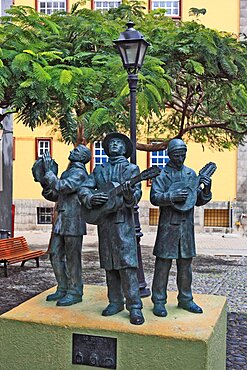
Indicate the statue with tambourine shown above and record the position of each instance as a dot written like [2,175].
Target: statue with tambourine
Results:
[176,191]
[69,225]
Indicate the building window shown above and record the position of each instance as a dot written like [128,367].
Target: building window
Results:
[154,216]
[45,215]
[216,218]
[106,5]
[42,145]
[51,6]
[159,158]
[99,154]
[172,7]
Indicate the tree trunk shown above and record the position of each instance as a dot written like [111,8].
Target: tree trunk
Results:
[6,176]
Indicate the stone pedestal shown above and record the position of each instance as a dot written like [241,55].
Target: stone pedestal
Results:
[38,334]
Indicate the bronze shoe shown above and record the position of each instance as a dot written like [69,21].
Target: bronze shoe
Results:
[190,306]
[56,296]
[136,316]
[112,309]
[159,310]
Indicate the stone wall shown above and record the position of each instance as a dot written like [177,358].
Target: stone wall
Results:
[243,16]
[242,149]
[242,173]
[26,215]
[237,209]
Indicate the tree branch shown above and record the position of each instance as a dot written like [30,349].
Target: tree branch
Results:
[233,110]
[162,145]
[184,113]
[222,126]
[4,115]
[152,147]
[155,146]
[201,94]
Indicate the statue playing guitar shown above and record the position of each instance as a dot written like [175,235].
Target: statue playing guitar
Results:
[176,191]
[118,190]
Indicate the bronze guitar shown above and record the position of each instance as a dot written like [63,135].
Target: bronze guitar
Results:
[97,214]
[191,187]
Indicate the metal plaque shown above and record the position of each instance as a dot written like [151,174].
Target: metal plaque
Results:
[94,351]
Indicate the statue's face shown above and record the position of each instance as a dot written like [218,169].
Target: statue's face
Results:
[178,157]
[117,147]
[76,155]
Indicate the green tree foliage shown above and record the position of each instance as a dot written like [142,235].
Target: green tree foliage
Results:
[197,12]
[64,70]
[208,84]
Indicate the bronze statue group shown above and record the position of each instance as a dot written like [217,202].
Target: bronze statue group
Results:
[79,196]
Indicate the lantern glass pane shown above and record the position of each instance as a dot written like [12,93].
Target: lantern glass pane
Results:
[122,52]
[143,48]
[129,52]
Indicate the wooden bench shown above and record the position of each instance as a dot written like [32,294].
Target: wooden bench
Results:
[15,250]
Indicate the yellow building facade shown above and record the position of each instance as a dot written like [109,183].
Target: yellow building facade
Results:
[28,144]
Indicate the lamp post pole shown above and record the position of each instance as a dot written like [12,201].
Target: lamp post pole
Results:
[132,48]
[133,80]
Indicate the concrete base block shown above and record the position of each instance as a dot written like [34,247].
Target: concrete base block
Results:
[37,335]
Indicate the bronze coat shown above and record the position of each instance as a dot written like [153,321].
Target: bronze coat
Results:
[64,192]
[117,238]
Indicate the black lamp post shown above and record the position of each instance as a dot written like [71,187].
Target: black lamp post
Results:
[132,48]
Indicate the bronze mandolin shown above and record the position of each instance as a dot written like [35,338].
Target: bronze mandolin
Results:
[192,187]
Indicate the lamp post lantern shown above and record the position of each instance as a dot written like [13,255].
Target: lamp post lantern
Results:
[132,48]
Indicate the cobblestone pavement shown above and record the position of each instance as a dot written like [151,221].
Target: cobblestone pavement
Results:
[226,276]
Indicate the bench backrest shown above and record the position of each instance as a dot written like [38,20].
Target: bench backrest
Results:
[12,246]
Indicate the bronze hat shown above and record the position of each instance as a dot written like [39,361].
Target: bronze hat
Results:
[126,140]
[176,144]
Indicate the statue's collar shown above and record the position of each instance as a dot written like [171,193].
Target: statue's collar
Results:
[76,165]
[172,165]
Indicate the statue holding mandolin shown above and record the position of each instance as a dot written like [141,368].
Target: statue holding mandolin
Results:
[176,191]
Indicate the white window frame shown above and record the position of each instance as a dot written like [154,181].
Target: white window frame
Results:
[105,5]
[172,7]
[159,158]
[99,155]
[51,6]
[43,145]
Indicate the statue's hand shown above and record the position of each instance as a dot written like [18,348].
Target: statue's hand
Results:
[206,181]
[47,161]
[98,199]
[179,195]
[128,191]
